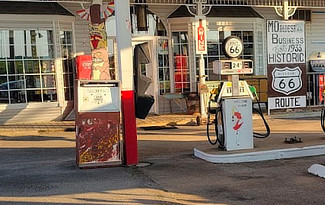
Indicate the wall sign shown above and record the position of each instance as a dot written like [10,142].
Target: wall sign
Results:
[286,42]
[287,78]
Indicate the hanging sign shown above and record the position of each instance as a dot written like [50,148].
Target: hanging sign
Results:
[201,41]
[287,78]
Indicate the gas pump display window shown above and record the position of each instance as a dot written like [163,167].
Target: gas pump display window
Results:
[215,51]
[233,47]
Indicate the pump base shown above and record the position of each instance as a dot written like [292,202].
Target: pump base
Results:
[261,155]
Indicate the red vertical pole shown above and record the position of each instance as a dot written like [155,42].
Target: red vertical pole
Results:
[130,128]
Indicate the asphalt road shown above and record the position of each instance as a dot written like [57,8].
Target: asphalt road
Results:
[39,168]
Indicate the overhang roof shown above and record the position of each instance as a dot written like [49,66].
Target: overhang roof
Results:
[219,11]
[37,8]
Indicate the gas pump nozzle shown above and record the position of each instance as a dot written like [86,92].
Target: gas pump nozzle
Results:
[253,91]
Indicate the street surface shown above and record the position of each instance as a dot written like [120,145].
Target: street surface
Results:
[39,168]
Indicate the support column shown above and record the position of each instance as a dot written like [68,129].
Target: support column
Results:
[285,10]
[125,62]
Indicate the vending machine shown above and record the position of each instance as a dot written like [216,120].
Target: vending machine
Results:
[98,113]
[84,64]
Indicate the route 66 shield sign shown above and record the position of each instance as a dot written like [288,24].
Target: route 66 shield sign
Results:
[286,80]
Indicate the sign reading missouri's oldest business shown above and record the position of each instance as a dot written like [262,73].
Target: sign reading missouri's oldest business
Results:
[286,42]
[287,82]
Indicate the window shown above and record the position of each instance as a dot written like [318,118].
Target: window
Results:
[67,63]
[163,66]
[181,65]
[215,52]
[27,71]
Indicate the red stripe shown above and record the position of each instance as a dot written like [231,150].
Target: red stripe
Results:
[130,128]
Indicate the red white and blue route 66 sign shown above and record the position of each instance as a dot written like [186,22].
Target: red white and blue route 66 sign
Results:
[286,80]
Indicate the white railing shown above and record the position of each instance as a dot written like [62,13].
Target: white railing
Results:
[257,3]
[265,3]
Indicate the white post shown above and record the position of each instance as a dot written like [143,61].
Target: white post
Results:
[125,63]
[285,9]
[203,112]
[201,73]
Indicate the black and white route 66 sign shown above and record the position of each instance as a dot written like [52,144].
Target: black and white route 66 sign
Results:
[286,80]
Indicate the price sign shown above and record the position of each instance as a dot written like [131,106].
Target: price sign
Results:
[236,65]
[233,47]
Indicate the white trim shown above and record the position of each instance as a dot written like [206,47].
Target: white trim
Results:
[261,155]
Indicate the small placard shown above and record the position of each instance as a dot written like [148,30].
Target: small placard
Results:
[98,99]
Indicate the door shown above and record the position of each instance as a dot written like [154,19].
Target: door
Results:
[147,69]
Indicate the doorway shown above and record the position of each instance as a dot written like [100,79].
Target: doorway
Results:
[146,68]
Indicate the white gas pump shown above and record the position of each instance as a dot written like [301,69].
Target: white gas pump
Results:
[233,122]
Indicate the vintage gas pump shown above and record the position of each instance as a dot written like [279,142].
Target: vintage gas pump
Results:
[233,123]
[98,113]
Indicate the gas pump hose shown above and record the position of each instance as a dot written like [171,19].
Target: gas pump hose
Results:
[322,118]
[260,112]
[218,137]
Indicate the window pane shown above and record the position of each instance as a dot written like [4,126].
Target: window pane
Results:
[47,66]
[175,38]
[17,96]
[62,37]
[3,69]
[70,65]
[248,36]
[213,49]
[248,49]
[15,67]
[16,82]
[4,97]
[3,83]
[33,81]
[183,37]
[31,66]
[66,80]
[67,94]
[50,37]
[213,36]
[34,96]
[48,81]
[49,95]
[68,37]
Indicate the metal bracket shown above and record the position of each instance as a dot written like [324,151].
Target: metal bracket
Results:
[193,10]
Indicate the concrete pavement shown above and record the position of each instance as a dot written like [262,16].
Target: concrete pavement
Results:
[38,167]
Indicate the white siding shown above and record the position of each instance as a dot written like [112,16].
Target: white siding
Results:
[315,32]
[81,29]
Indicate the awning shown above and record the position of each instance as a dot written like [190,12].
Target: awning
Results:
[36,8]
